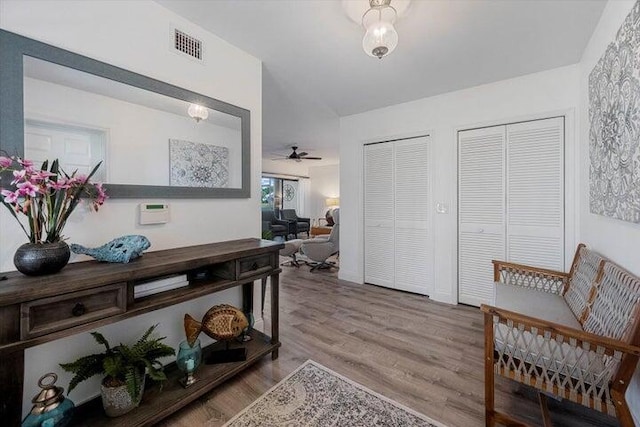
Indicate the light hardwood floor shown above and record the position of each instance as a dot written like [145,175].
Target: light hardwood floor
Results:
[422,354]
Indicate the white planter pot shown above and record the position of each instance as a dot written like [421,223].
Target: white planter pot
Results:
[117,401]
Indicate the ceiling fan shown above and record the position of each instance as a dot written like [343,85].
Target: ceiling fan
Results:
[299,156]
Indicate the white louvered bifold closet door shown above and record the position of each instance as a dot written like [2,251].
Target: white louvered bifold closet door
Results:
[535,193]
[378,215]
[413,240]
[481,207]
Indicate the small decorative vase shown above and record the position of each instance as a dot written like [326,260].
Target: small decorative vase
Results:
[188,360]
[116,401]
[37,259]
[50,407]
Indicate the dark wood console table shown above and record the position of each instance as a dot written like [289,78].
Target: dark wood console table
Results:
[87,295]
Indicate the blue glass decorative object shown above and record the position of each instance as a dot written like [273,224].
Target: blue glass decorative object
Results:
[188,360]
[123,249]
[50,407]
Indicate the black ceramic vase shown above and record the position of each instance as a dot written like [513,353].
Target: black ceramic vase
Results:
[37,259]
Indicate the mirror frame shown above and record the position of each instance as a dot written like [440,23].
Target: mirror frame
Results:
[14,47]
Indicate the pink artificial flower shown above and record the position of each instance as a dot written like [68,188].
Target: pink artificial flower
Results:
[81,178]
[60,184]
[27,164]
[5,162]
[101,196]
[18,176]
[10,196]
[41,175]
[27,189]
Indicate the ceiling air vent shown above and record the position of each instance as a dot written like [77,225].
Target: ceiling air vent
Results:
[187,44]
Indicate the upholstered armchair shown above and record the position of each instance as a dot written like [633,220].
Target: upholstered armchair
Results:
[301,225]
[321,248]
[276,226]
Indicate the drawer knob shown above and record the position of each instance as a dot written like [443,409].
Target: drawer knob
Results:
[254,266]
[78,310]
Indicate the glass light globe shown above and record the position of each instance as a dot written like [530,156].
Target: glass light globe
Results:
[198,112]
[381,37]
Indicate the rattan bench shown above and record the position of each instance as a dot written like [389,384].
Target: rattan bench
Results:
[574,335]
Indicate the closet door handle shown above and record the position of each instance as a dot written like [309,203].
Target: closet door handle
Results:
[481,230]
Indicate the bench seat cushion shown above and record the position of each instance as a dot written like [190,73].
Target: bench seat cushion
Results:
[541,305]
[548,354]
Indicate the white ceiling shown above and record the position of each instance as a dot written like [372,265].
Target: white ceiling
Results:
[315,69]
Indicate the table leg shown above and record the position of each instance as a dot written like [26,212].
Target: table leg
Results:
[247,304]
[11,379]
[275,307]
[264,294]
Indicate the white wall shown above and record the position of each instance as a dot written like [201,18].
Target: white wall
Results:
[613,238]
[532,96]
[135,35]
[325,182]
[284,167]
[136,134]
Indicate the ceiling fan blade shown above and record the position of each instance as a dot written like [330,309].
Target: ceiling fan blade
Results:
[304,153]
[313,158]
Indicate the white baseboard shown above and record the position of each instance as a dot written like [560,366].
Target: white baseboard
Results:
[443,297]
[350,276]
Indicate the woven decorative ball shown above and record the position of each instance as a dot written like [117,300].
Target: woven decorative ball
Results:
[221,322]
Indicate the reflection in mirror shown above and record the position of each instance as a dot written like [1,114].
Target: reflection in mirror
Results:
[143,137]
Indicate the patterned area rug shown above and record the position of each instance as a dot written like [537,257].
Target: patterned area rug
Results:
[315,396]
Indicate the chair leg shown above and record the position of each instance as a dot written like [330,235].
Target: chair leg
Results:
[546,416]
[622,409]
[321,265]
[293,262]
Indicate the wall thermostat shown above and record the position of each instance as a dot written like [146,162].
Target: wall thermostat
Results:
[154,213]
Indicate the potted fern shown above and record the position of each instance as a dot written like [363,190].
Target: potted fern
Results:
[123,368]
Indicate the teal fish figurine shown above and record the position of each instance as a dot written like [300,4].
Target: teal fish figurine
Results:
[123,249]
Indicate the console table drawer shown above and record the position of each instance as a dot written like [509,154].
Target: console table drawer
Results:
[47,315]
[255,265]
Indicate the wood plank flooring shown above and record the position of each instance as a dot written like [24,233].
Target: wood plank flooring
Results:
[423,354]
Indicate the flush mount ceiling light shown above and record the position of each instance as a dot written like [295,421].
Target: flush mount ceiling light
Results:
[198,112]
[381,37]
[363,12]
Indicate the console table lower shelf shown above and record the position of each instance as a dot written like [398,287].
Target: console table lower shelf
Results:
[157,404]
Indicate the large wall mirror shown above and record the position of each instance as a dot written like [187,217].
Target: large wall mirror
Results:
[155,140]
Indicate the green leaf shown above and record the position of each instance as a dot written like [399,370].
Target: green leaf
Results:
[84,368]
[100,339]
[133,382]
[112,366]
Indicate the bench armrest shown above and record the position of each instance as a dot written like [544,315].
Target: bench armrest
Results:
[540,279]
